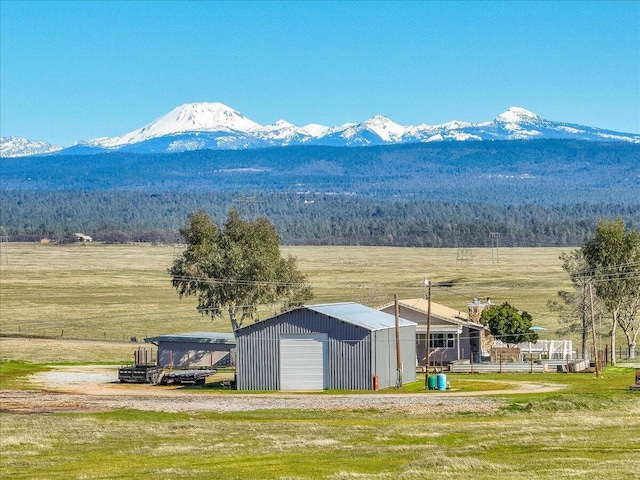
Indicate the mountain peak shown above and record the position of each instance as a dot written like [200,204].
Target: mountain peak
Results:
[385,128]
[281,124]
[190,117]
[203,117]
[21,147]
[216,126]
[517,115]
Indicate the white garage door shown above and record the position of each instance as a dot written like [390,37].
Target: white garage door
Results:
[302,361]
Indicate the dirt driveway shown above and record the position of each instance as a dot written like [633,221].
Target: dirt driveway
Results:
[96,388]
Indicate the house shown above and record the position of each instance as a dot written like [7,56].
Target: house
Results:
[453,336]
[195,349]
[339,346]
[82,237]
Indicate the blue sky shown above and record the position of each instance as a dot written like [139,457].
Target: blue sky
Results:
[81,70]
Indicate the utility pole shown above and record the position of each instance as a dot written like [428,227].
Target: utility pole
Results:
[593,329]
[495,246]
[398,352]
[4,241]
[250,203]
[427,284]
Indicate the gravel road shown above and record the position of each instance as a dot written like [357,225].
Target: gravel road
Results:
[96,389]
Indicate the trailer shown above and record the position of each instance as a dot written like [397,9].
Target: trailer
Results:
[140,374]
[187,377]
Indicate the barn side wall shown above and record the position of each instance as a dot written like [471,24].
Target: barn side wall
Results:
[349,351]
[385,355]
[408,349]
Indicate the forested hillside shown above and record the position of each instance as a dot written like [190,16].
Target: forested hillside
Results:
[304,218]
[447,194]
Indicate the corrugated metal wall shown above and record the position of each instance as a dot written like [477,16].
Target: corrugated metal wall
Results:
[383,359]
[386,359]
[408,349]
[349,351]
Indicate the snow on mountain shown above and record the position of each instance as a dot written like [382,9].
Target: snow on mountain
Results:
[22,147]
[314,130]
[386,129]
[219,127]
[190,117]
[517,115]
[281,132]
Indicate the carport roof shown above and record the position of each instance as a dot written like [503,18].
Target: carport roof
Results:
[359,315]
[195,337]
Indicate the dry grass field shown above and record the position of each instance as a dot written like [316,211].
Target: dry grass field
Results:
[114,293]
[83,303]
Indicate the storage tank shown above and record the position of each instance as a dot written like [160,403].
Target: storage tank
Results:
[441,381]
[431,382]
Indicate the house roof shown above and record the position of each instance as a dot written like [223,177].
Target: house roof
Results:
[448,314]
[195,337]
[439,329]
[359,315]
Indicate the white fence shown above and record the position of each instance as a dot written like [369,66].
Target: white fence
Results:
[546,349]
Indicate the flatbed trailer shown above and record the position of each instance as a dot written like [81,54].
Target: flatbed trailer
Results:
[187,377]
[140,373]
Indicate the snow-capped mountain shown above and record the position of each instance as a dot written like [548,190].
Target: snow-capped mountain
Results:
[22,147]
[191,117]
[197,126]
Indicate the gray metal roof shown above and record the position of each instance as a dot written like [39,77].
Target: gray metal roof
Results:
[359,315]
[195,337]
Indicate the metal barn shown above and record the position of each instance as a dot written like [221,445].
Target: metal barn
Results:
[195,349]
[340,346]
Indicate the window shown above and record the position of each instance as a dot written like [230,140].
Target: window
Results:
[443,340]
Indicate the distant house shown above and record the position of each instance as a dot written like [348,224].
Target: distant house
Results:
[339,346]
[82,237]
[195,349]
[453,335]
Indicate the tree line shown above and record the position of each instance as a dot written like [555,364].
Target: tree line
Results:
[303,218]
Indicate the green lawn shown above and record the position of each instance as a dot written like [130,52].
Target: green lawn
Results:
[589,430]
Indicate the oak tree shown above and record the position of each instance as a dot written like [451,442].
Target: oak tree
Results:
[508,325]
[236,268]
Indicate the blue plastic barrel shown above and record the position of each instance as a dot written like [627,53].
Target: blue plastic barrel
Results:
[441,380]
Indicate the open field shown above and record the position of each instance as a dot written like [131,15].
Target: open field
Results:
[589,429]
[61,350]
[120,292]
[91,299]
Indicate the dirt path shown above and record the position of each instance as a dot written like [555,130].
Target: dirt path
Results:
[95,388]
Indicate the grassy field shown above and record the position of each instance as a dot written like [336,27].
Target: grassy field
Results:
[89,300]
[590,430]
[119,292]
